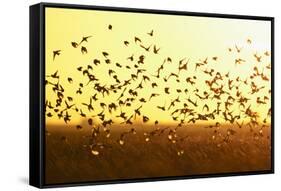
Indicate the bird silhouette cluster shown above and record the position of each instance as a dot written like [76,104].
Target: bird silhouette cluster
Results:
[222,99]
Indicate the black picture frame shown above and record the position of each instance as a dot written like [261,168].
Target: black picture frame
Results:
[37,92]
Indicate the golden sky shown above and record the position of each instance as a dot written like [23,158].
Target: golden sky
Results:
[178,37]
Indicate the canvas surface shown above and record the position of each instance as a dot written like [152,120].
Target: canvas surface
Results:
[133,95]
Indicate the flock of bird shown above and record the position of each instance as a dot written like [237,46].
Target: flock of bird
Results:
[232,104]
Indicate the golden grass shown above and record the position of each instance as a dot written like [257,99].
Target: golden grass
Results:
[67,160]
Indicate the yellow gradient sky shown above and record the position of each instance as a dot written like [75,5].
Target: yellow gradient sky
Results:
[177,37]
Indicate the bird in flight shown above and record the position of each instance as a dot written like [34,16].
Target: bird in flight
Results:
[239,61]
[238,49]
[155,50]
[249,41]
[150,33]
[56,53]
[126,43]
[54,75]
[145,48]
[74,44]
[137,40]
[85,39]
[84,50]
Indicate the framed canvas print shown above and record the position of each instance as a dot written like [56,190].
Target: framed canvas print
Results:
[123,95]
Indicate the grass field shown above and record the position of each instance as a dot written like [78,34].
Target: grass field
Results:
[69,158]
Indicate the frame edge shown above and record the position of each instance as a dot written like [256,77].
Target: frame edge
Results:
[35,170]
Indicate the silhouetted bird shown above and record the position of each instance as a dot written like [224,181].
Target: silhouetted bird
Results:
[56,53]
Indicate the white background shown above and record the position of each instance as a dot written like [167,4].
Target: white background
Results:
[14,39]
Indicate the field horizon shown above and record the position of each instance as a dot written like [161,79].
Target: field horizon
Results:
[68,159]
